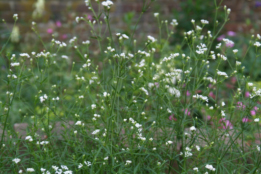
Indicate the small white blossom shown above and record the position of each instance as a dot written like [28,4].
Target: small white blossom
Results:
[30,170]
[16,160]
[210,167]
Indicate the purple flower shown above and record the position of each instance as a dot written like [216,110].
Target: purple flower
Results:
[208,117]
[230,44]
[58,23]
[247,94]
[171,117]
[240,105]
[231,33]
[49,30]
[188,93]
[226,123]
[253,112]
[257,4]
[187,112]
[221,37]
[89,17]
[245,119]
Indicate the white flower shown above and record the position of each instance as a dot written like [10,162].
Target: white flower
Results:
[20,171]
[93,106]
[195,169]
[169,142]
[152,39]
[88,163]
[250,84]
[156,14]
[16,160]
[210,167]
[128,162]
[235,51]
[106,158]
[204,21]
[78,123]
[256,120]
[77,19]
[15,16]
[201,97]
[192,128]
[258,148]
[30,170]
[223,104]
[29,138]
[222,73]
[96,131]
[80,166]
[257,44]
[15,64]
[107,4]
[198,148]
[174,91]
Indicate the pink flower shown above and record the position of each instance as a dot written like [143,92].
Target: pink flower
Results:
[247,94]
[187,112]
[231,33]
[211,94]
[188,93]
[171,117]
[221,37]
[245,119]
[226,123]
[49,30]
[230,44]
[253,112]
[233,80]
[255,108]
[208,117]
[64,36]
[58,23]
[89,17]
[240,105]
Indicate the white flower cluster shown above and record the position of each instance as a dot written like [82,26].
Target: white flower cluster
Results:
[16,160]
[257,44]
[29,138]
[42,142]
[15,64]
[144,90]
[172,56]
[204,21]
[152,39]
[122,36]
[43,98]
[202,48]
[107,4]
[139,129]
[174,91]
[228,42]
[128,162]
[174,22]
[44,171]
[210,167]
[210,79]
[222,73]
[222,57]
[188,152]
[64,169]
[197,96]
